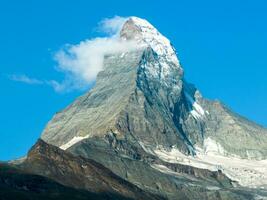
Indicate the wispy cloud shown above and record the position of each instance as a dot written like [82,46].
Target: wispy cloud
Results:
[24,79]
[81,62]
[111,26]
[65,86]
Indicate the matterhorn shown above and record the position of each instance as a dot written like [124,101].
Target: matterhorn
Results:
[150,134]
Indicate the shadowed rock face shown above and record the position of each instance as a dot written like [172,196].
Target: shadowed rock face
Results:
[141,105]
[79,173]
[16,184]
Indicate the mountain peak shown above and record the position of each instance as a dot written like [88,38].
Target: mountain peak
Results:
[136,26]
[140,22]
[146,34]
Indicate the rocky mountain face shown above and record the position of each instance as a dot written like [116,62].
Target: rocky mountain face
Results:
[78,172]
[51,173]
[142,95]
[16,184]
[152,129]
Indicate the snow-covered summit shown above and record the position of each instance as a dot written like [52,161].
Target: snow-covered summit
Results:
[142,31]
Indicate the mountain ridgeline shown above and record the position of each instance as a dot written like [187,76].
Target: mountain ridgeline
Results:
[151,133]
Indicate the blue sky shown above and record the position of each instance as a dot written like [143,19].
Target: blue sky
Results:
[222,46]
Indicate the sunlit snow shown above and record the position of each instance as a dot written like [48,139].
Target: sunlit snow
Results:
[72,142]
[197,111]
[250,173]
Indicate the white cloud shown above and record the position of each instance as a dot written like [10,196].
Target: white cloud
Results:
[24,79]
[113,25]
[81,63]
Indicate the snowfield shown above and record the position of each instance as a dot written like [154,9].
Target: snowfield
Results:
[248,173]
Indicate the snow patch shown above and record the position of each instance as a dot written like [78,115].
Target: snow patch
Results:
[72,142]
[165,170]
[84,166]
[152,37]
[248,173]
[195,114]
[197,111]
[211,146]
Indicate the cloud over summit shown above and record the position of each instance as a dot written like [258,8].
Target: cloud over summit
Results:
[83,61]
[111,26]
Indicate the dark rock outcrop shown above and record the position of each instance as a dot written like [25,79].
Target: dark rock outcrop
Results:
[78,172]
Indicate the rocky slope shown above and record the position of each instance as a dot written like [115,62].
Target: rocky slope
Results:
[78,172]
[16,184]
